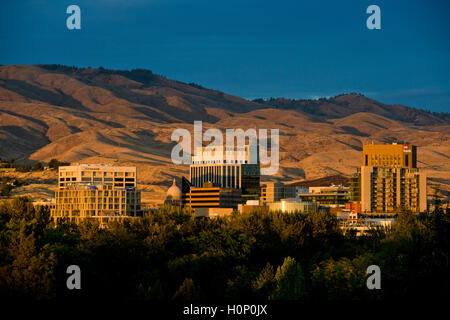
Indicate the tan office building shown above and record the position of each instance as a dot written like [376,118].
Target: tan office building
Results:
[98,173]
[96,191]
[393,155]
[96,201]
[386,189]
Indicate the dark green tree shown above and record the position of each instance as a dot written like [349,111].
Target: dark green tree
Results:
[290,282]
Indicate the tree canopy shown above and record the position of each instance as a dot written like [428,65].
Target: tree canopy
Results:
[171,254]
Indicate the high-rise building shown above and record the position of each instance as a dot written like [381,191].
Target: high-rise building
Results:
[385,189]
[241,172]
[392,155]
[389,180]
[96,191]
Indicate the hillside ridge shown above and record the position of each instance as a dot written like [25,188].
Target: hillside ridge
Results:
[127,117]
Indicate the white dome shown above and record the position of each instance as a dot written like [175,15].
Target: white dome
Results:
[174,193]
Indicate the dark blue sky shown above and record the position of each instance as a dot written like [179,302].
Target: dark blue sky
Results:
[250,48]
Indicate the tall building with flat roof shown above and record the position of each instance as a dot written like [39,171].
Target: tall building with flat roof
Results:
[242,172]
[394,155]
[96,191]
[389,180]
[385,189]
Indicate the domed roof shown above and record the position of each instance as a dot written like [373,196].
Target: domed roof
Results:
[174,193]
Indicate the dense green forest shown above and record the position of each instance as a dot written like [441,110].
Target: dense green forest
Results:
[173,255]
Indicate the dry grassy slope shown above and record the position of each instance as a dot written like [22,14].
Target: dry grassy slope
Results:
[102,117]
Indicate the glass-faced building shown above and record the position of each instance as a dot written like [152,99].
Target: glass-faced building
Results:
[240,173]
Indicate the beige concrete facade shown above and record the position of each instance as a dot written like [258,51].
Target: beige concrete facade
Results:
[96,191]
[118,176]
[386,189]
[94,201]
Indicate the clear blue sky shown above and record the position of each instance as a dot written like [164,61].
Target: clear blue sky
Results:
[250,48]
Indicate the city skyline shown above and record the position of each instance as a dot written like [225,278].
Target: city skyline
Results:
[235,158]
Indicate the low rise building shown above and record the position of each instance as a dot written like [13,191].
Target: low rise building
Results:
[292,205]
[350,221]
[275,191]
[252,206]
[213,212]
[331,196]
[210,196]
